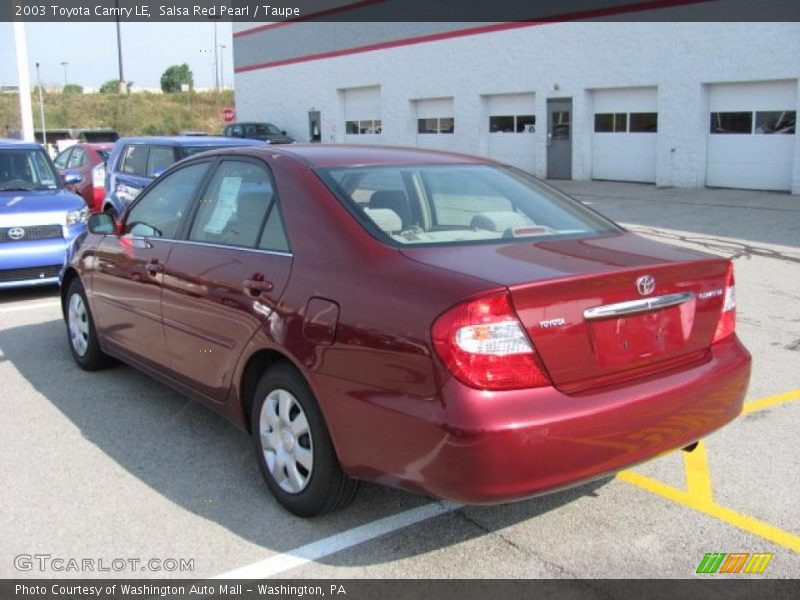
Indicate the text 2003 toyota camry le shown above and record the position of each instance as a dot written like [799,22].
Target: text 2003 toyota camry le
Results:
[432,321]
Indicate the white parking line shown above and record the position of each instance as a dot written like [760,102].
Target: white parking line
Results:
[9,309]
[273,565]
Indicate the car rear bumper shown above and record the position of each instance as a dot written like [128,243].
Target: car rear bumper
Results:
[490,447]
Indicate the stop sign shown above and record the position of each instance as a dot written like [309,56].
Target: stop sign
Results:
[228,114]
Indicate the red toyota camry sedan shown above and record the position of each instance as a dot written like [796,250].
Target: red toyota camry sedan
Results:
[432,321]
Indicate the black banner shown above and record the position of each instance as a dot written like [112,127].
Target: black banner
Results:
[261,11]
[712,587]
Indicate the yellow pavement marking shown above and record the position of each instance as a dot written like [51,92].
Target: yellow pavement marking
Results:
[699,495]
[763,403]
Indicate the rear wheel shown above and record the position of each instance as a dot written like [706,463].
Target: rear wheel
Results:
[294,448]
[80,330]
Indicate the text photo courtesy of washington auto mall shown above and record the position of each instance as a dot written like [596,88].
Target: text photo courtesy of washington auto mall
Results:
[399,299]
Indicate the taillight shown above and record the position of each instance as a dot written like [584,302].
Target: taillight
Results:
[727,318]
[99,176]
[483,344]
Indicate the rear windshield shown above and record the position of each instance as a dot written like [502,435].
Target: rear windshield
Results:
[458,204]
[104,154]
[26,170]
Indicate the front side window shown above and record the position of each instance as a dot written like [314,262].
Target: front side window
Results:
[26,170]
[458,204]
[158,213]
[234,206]
[63,158]
[159,160]
[78,159]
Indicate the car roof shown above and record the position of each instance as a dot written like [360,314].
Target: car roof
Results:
[345,155]
[92,145]
[189,140]
[7,143]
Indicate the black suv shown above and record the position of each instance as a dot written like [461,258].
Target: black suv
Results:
[266,132]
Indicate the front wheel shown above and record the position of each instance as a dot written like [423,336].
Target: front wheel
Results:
[80,330]
[294,448]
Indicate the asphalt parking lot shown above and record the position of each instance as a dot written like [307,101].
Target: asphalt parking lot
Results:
[113,465]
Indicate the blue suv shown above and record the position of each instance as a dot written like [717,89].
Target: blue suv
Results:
[136,161]
[39,218]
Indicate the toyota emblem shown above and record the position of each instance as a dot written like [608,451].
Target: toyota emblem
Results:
[16,233]
[645,285]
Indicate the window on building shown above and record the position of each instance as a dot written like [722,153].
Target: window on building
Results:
[365,127]
[643,122]
[611,122]
[775,121]
[731,122]
[512,123]
[436,125]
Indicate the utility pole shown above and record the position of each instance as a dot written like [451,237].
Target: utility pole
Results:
[25,109]
[41,106]
[122,87]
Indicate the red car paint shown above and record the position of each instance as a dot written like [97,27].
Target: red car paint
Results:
[355,315]
[90,188]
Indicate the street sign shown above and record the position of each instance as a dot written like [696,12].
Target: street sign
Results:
[228,115]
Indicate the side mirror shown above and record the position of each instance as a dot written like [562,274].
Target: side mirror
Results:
[102,223]
[71,178]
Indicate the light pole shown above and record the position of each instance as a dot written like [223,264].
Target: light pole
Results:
[222,66]
[216,64]
[65,64]
[121,83]
[41,106]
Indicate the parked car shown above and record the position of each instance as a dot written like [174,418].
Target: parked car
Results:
[426,320]
[266,132]
[88,163]
[136,161]
[39,218]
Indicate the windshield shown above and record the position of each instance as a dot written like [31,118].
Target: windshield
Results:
[458,204]
[26,170]
[261,129]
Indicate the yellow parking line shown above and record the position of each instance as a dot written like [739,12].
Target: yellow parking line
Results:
[699,495]
[763,403]
[698,478]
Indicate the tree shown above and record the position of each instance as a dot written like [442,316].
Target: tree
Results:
[72,88]
[175,76]
[110,87]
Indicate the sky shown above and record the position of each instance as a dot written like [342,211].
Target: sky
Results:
[91,51]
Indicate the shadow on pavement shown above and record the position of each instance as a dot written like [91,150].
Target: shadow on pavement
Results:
[205,465]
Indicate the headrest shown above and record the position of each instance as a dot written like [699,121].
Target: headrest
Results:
[500,220]
[385,218]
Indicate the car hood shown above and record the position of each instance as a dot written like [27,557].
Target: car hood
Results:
[274,139]
[37,208]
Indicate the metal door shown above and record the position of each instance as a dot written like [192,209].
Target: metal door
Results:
[559,138]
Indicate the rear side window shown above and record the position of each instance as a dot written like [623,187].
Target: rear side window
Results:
[159,159]
[274,236]
[234,205]
[159,212]
[62,159]
[134,160]
[78,159]
[459,204]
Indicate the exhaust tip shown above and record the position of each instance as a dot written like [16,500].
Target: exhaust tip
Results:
[690,447]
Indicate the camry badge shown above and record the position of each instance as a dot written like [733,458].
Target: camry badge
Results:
[16,233]
[645,285]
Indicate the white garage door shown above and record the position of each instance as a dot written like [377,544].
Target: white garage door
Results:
[435,123]
[362,114]
[510,129]
[751,135]
[625,132]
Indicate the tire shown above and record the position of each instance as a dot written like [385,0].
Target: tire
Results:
[81,333]
[293,446]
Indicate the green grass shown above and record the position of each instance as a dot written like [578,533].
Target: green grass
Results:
[129,114]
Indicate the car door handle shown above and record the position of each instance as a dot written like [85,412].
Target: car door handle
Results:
[154,266]
[257,286]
